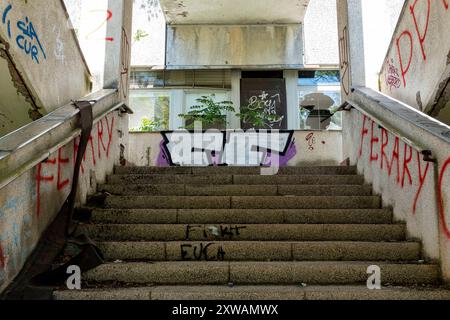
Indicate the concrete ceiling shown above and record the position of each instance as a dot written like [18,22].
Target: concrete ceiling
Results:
[234,11]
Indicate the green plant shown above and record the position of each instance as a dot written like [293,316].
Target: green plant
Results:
[208,112]
[256,115]
[140,34]
[148,125]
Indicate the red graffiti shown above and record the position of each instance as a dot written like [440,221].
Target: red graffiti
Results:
[373,140]
[422,178]
[60,185]
[406,161]
[2,258]
[441,199]
[39,179]
[364,132]
[311,141]
[109,16]
[422,36]
[402,66]
[380,142]
[100,134]
[395,157]
[384,144]
[407,35]
[446,4]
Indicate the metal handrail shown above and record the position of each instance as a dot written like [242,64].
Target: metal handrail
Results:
[26,147]
[387,112]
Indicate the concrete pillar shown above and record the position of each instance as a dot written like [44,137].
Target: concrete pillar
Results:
[118,50]
[365,31]
[235,122]
[291,77]
[177,106]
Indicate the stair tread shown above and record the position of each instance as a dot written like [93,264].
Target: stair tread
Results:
[297,292]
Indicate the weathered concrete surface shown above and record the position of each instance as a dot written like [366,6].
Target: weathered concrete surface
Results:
[234,46]
[53,55]
[235,190]
[31,201]
[342,170]
[246,216]
[416,69]
[417,190]
[281,293]
[324,180]
[261,251]
[234,11]
[239,273]
[261,232]
[243,202]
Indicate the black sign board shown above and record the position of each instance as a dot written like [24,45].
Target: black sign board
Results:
[271,93]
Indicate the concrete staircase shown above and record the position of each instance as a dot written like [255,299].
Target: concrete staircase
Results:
[230,233]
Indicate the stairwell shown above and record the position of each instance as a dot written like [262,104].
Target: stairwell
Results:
[231,233]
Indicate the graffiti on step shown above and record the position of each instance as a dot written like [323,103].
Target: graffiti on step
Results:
[215,232]
[25,36]
[227,148]
[203,251]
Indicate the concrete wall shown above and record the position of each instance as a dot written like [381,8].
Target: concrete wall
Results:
[311,148]
[418,190]
[228,46]
[31,202]
[44,51]
[417,67]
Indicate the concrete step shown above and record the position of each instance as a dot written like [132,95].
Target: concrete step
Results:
[261,251]
[258,273]
[265,202]
[274,293]
[235,170]
[239,216]
[243,232]
[234,190]
[236,179]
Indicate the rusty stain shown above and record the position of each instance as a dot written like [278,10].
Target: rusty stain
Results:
[19,83]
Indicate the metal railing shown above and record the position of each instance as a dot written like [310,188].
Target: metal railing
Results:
[26,147]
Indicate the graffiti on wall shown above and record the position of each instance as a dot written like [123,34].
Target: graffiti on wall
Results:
[227,148]
[413,40]
[24,35]
[403,164]
[56,172]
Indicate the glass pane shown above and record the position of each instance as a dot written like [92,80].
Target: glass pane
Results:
[317,108]
[151,111]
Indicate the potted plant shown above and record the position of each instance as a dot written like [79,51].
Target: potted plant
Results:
[148,125]
[209,112]
[256,116]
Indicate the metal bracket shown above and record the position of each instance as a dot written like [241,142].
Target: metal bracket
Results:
[428,156]
[345,107]
[126,109]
